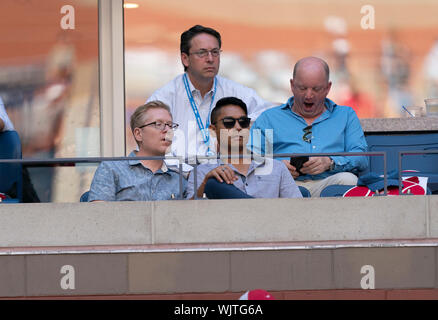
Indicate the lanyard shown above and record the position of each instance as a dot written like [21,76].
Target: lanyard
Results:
[204,130]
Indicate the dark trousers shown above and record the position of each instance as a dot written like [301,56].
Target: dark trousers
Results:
[221,190]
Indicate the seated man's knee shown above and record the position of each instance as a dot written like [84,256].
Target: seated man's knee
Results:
[221,190]
[345,178]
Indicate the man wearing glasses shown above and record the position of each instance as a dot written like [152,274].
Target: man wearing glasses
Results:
[141,180]
[310,123]
[192,95]
[233,175]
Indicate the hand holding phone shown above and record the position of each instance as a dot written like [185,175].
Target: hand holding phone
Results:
[298,162]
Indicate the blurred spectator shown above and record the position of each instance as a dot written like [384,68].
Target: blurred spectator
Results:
[42,116]
[395,68]
[431,71]
[362,103]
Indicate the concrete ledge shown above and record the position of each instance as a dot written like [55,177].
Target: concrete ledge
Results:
[67,224]
[282,244]
[264,220]
[218,272]
[399,124]
[337,294]
[218,221]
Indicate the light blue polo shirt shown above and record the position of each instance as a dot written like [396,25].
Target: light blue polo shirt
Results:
[337,129]
[131,181]
[265,179]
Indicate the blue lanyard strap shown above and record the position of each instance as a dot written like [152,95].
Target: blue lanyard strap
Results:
[205,134]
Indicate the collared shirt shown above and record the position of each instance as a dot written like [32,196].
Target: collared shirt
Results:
[132,181]
[268,179]
[4,116]
[188,138]
[337,129]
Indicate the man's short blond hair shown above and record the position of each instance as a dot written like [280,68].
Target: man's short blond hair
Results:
[138,117]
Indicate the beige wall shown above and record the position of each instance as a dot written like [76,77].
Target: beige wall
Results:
[218,246]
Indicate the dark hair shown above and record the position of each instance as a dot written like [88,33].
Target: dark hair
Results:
[226,102]
[188,35]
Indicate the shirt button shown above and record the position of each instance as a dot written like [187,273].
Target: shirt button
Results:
[314,147]
[246,184]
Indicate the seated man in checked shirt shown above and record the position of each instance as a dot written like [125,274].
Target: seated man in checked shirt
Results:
[141,180]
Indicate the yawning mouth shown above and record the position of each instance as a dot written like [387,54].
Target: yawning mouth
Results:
[308,104]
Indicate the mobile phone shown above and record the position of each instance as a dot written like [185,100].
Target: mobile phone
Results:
[298,161]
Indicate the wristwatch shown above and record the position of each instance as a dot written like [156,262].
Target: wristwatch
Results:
[332,165]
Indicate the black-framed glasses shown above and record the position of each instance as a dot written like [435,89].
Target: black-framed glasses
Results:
[204,53]
[161,125]
[307,136]
[229,122]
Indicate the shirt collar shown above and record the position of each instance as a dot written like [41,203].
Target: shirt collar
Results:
[135,162]
[256,162]
[193,89]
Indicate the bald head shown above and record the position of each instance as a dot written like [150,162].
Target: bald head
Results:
[313,63]
[310,86]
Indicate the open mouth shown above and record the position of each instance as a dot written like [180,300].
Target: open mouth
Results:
[308,104]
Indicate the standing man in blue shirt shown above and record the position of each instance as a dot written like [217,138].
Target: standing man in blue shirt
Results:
[141,180]
[310,123]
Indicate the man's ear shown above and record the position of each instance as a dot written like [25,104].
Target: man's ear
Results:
[138,134]
[185,59]
[329,87]
[291,84]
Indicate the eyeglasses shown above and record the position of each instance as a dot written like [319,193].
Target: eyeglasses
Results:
[307,136]
[229,122]
[161,125]
[204,53]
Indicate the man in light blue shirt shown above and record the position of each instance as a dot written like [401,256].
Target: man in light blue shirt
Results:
[233,175]
[141,180]
[310,123]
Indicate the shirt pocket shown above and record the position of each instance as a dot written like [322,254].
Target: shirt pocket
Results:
[127,192]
